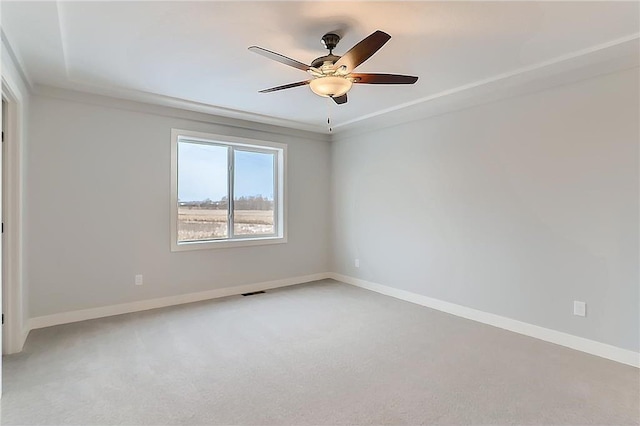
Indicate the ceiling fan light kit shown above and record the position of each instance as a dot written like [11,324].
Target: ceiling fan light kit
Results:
[332,76]
[330,86]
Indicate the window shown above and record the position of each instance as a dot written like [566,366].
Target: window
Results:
[225,191]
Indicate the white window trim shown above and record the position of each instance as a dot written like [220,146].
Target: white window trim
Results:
[281,198]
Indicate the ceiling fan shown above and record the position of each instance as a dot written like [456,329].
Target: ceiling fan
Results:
[332,76]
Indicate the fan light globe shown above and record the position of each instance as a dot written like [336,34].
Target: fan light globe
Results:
[330,86]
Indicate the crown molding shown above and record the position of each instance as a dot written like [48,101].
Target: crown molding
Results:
[16,61]
[176,110]
[63,39]
[605,58]
[188,105]
[586,63]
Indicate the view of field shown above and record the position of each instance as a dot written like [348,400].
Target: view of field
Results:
[197,223]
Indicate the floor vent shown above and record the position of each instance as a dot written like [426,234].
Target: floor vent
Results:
[253,293]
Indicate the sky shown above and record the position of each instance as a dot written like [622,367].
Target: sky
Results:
[202,172]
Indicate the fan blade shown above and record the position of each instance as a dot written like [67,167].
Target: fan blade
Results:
[279,58]
[383,78]
[363,50]
[286,86]
[340,99]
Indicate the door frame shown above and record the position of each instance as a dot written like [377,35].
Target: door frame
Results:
[14,330]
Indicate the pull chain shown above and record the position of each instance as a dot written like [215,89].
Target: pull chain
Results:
[329,100]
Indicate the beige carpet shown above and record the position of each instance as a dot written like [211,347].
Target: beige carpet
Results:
[319,353]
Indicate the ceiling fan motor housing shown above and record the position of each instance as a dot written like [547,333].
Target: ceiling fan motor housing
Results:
[318,62]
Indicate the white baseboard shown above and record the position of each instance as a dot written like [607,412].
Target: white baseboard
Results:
[603,350]
[592,347]
[13,342]
[143,305]
[25,333]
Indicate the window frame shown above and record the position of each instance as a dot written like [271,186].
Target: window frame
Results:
[240,144]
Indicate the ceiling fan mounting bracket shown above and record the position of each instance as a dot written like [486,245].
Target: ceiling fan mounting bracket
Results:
[330,41]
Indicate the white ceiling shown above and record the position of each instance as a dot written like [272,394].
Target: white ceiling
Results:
[197,51]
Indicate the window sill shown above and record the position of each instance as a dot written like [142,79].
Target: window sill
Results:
[244,242]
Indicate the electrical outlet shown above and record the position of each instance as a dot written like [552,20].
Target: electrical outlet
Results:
[579,308]
[357,263]
[139,279]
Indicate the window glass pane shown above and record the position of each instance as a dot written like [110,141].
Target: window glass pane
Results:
[253,198]
[202,192]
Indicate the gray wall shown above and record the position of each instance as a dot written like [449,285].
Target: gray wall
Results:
[516,208]
[98,210]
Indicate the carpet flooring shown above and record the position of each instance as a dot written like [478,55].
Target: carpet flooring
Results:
[322,353]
